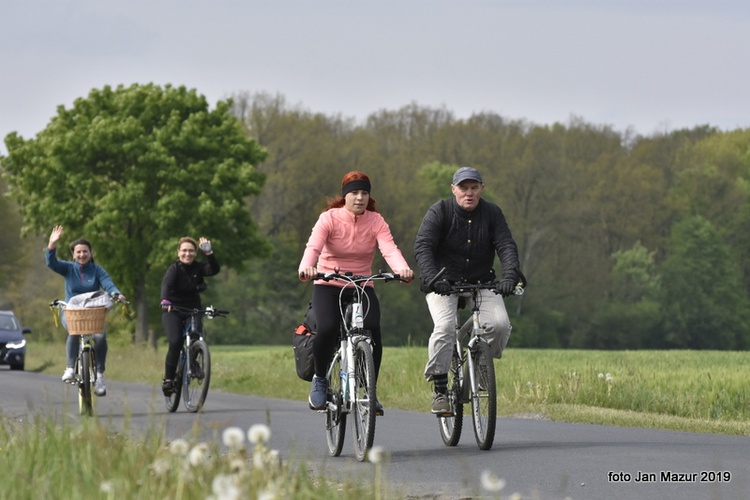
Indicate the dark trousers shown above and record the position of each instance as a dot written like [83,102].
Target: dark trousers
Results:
[174,328]
[325,302]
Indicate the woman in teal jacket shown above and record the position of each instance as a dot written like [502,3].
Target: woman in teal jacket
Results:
[81,276]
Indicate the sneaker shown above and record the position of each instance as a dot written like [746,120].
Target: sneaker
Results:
[440,404]
[100,388]
[68,375]
[167,387]
[317,398]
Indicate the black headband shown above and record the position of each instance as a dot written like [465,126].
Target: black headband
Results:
[355,186]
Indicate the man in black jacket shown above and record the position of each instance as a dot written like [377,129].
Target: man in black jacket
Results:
[462,234]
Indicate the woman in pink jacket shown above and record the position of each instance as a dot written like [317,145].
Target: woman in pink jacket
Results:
[344,239]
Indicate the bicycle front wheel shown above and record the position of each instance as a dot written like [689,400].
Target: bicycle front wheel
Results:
[85,380]
[450,426]
[335,416]
[363,400]
[173,400]
[197,376]
[484,396]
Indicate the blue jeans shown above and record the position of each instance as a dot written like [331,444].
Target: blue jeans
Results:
[73,343]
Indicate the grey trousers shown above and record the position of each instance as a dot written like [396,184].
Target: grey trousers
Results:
[494,321]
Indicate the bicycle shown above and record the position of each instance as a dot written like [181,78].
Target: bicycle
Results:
[193,374]
[84,323]
[351,372]
[471,378]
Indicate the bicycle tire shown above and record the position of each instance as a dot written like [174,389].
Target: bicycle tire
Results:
[484,400]
[173,400]
[198,377]
[451,426]
[363,400]
[335,416]
[85,380]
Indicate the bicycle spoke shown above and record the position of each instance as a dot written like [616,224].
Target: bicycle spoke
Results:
[484,399]
[364,400]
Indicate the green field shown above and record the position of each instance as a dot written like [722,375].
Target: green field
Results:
[697,391]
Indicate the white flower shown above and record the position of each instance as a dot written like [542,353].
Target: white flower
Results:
[375,455]
[267,495]
[609,377]
[233,437]
[160,467]
[259,434]
[107,487]
[179,447]
[491,482]
[225,488]
[199,454]
[601,375]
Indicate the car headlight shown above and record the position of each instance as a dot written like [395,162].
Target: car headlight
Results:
[16,345]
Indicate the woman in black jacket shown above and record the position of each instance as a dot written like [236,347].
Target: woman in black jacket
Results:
[181,286]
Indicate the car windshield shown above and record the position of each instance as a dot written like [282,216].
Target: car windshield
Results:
[8,322]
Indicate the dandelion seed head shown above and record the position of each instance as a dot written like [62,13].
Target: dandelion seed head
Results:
[160,467]
[225,487]
[199,454]
[609,377]
[601,375]
[233,437]
[259,434]
[179,447]
[375,455]
[107,487]
[491,482]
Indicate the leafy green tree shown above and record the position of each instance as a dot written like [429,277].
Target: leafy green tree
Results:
[704,300]
[133,169]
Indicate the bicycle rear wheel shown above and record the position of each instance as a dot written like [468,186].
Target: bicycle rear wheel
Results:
[197,376]
[173,400]
[484,400]
[450,426]
[335,416]
[85,381]
[363,400]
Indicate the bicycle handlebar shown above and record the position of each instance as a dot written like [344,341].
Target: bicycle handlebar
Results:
[351,278]
[460,287]
[209,311]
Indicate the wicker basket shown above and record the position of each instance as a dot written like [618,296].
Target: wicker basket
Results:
[85,321]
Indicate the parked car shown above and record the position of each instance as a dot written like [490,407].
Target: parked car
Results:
[12,341]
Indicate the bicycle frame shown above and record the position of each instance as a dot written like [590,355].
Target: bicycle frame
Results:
[352,334]
[193,374]
[472,360]
[352,390]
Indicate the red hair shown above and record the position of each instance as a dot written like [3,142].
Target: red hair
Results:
[338,201]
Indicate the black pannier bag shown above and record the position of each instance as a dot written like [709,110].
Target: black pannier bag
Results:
[302,342]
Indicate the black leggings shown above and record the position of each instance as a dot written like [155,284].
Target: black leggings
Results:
[325,302]
[174,327]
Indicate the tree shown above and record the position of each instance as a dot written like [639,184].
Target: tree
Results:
[704,300]
[133,169]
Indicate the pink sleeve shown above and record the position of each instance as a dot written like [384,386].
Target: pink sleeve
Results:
[317,240]
[388,248]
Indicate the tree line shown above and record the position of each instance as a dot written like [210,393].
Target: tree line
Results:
[628,241]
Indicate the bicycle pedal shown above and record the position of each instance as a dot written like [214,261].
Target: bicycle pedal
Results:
[444,414]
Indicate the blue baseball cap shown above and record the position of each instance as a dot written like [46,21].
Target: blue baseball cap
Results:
[466,174]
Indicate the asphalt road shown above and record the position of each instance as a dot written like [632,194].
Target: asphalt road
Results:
[538,459]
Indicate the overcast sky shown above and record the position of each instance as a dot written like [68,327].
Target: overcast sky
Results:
[650,65]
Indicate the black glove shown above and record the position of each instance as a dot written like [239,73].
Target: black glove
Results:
[505,287]
[442,287]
